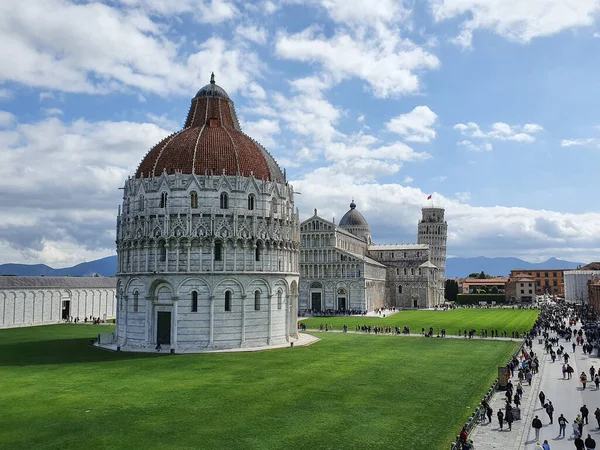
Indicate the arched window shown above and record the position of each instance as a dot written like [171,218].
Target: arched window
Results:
[399,289]
[141,203]
[164,197]
[224,202]
[218,251]
[274,205]
[136,300]
[418,254]
[420,272]
[251,202]
[194,301]
[227,300]
[279,299]
[405,254]
[258,251]
[256,300]
[412,271]
[194,199]
[163,251]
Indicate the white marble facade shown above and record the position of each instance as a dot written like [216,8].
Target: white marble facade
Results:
[26,301]
[207,240]
[342,270]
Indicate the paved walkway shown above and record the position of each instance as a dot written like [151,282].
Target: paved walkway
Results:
[566,396]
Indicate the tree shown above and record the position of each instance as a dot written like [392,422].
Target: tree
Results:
[494,290]
[482,275]
[473,275]
[451,290]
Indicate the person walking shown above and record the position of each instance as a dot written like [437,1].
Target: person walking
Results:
[597,381]
[550,411]
[579,444]
[584,414]
[545,445]
[562,426]
[489,412]
[537,425]
[542,398]
[590,443]
[500,418]
[583,379]
[509,418]
[597,414]
[517,400]
[538,446]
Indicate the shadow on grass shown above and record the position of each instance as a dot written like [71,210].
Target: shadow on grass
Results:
[60,351]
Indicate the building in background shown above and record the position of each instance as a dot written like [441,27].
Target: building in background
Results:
[520,289]
[342,270]
[26,301]
[547,281]
[576,284]
[494,285]
[594,294]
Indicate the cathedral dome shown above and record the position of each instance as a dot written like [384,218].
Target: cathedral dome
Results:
[211,142]
[353,218]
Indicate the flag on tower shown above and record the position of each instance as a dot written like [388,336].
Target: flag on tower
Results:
[429,197]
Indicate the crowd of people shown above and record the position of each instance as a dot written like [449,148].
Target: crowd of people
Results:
[93,320]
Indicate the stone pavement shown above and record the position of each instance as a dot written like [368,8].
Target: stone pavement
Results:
[567,397]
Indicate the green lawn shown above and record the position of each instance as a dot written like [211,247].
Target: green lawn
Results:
[347,391]
[453,320]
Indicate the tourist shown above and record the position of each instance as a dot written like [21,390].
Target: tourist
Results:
[517,400]
[537,425]
[562,425]
[584,414]
[583,379]
[597,381]
[564,370]
[550,411]
[542,398]
[597,414]
[538,446]
[545,445]
[489,412]
[509,418]
[500,415]
[590,443]
[579,444]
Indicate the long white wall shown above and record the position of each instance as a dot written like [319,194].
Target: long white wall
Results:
[25,307]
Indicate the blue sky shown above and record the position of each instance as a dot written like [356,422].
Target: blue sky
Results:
[491,105]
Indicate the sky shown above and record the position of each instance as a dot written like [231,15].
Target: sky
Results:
[490,106]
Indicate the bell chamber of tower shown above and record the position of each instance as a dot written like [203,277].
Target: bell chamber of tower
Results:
[433,231]
[207,240]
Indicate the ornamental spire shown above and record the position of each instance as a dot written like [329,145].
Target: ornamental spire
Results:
[212,78]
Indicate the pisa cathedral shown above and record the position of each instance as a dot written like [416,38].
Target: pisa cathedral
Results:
[342,270]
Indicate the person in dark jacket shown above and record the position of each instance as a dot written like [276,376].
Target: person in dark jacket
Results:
[509,418]
[562,425]
[488,413]
[500,418]
[590,443]
[597,414]
[584,414]
[517,400]
[537,425]
[550,411]
[542,398]
[579,445]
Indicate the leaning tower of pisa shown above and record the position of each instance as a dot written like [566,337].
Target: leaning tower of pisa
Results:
[433,231]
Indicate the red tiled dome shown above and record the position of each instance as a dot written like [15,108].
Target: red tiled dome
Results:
[210,142]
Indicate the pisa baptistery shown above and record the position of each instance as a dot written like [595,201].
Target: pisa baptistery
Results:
[207,240]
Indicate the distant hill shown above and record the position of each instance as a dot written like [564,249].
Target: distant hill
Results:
[461,267]
[106,267]
[455,267]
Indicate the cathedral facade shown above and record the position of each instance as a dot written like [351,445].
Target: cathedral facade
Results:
[341,269]
[207,240]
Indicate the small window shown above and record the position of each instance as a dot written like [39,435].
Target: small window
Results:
[251,202]
[537,274]
[194,200]
[397,271]
[224,202]
[412,271]
[194,301]
[555,283]
[554,274]
[256,300]
[279,299]
[545,274]
[141,203]
[405,272]
[418,254]
[275,209]
[405,254]
[227,300]
[530,291]
[392,255]
[522,291]
[218,251]
[136,300]
[163,251]
[420,272]
[257,252]
[164,197]
[399,289]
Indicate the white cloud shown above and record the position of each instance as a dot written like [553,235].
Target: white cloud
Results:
[48,45]
[415,126]
[255,34]
[361,118]
[262,131]
[388,64]
[440,178]
[516,19]
[6,119]
[499,131]
[52,111]
[463,197]
[361,12]
[408,180]
[203,11]
[597,35]
[486,146]
[577,142]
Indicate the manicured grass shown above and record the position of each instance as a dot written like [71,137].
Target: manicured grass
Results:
[347,391]
[453,320]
